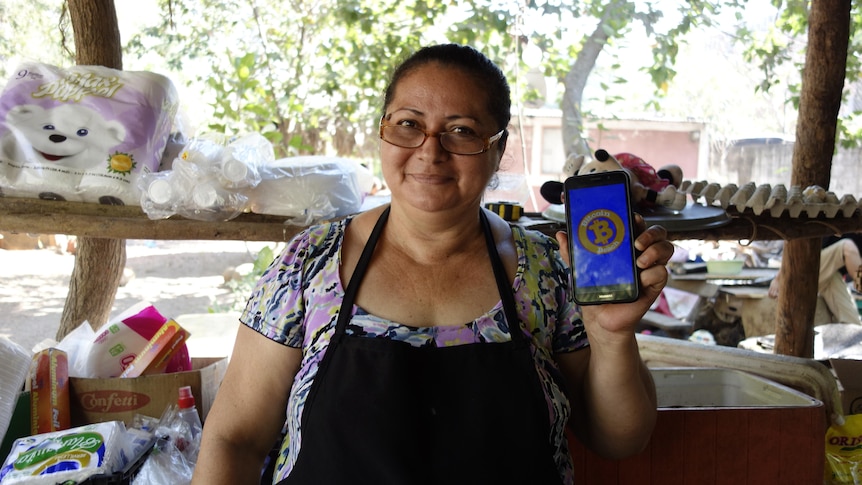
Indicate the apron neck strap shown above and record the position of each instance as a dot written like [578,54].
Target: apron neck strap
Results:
[346,310]
[503,285]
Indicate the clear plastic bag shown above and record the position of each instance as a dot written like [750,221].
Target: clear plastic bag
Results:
[207,179]
[172,461]
[308,189]
[166,465]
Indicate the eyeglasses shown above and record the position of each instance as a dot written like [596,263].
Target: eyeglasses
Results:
[451,141]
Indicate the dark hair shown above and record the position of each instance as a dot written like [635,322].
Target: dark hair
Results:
[470,61]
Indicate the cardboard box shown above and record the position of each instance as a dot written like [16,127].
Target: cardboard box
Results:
[120,399]
[849,373]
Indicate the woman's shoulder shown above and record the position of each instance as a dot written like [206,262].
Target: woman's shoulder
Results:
[534,240]
[539,258]
[317,239]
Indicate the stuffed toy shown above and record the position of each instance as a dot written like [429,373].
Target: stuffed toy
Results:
[649,187]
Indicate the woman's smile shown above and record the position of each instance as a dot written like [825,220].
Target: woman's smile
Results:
[430,178]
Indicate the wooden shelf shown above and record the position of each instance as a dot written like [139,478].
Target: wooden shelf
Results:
[748,226]
[130,222]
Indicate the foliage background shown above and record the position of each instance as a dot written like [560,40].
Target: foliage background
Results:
[309,74]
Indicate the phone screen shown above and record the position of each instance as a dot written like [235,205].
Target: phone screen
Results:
[599,219]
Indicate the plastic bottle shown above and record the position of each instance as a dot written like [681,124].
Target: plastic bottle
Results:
[235,173]
[188,413]
[160,192]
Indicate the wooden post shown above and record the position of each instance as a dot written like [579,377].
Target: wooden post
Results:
[797,299]
[99,262]
[97,33]
[820,99]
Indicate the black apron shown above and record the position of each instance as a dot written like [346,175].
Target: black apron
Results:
[384,412]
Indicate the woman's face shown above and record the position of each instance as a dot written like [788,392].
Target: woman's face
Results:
[437,98]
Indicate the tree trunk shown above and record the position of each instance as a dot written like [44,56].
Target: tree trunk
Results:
[797,298]
[99,262]
[820,99]
[576,81]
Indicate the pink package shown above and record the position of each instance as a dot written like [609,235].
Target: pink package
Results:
[85,133]
[119,341]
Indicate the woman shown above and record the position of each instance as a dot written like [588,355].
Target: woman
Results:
[386,336]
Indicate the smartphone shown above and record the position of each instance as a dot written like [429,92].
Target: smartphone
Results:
[601,242]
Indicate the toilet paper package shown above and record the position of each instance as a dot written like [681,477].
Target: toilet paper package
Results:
[68,456]
[84,133]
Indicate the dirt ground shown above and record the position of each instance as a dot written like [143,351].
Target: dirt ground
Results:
[177,277]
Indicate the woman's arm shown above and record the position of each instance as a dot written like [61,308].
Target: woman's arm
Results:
[613,400]
[611,390]
[249,410]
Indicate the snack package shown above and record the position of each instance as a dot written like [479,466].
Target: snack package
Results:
[119,342]
[155,356]
[85,133]
[844,452]
[64,456]
[112,348]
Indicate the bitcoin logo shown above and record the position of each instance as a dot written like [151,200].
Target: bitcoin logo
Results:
[601,231]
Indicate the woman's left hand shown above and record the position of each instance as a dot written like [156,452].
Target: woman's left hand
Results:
[655,251]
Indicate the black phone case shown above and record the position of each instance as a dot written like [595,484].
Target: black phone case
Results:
[612,293]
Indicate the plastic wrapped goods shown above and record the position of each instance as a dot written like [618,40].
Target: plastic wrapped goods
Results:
[208,178]
[71,455]
[86,133]
[308,189]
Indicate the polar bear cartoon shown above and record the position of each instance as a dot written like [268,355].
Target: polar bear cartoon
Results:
[68,135]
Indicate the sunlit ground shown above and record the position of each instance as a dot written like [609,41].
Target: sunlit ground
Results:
[177,277]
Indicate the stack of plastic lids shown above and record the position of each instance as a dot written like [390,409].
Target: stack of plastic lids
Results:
[14,367]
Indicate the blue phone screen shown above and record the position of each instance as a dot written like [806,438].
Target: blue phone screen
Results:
[601,236]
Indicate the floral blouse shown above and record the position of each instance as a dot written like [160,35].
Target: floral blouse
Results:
[296,303]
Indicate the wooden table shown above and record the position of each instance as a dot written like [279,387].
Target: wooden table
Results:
[734,298]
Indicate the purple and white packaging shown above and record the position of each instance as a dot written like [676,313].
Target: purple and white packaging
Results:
[83,133]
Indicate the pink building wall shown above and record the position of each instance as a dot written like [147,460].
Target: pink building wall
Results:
[655,147]
[538,139]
